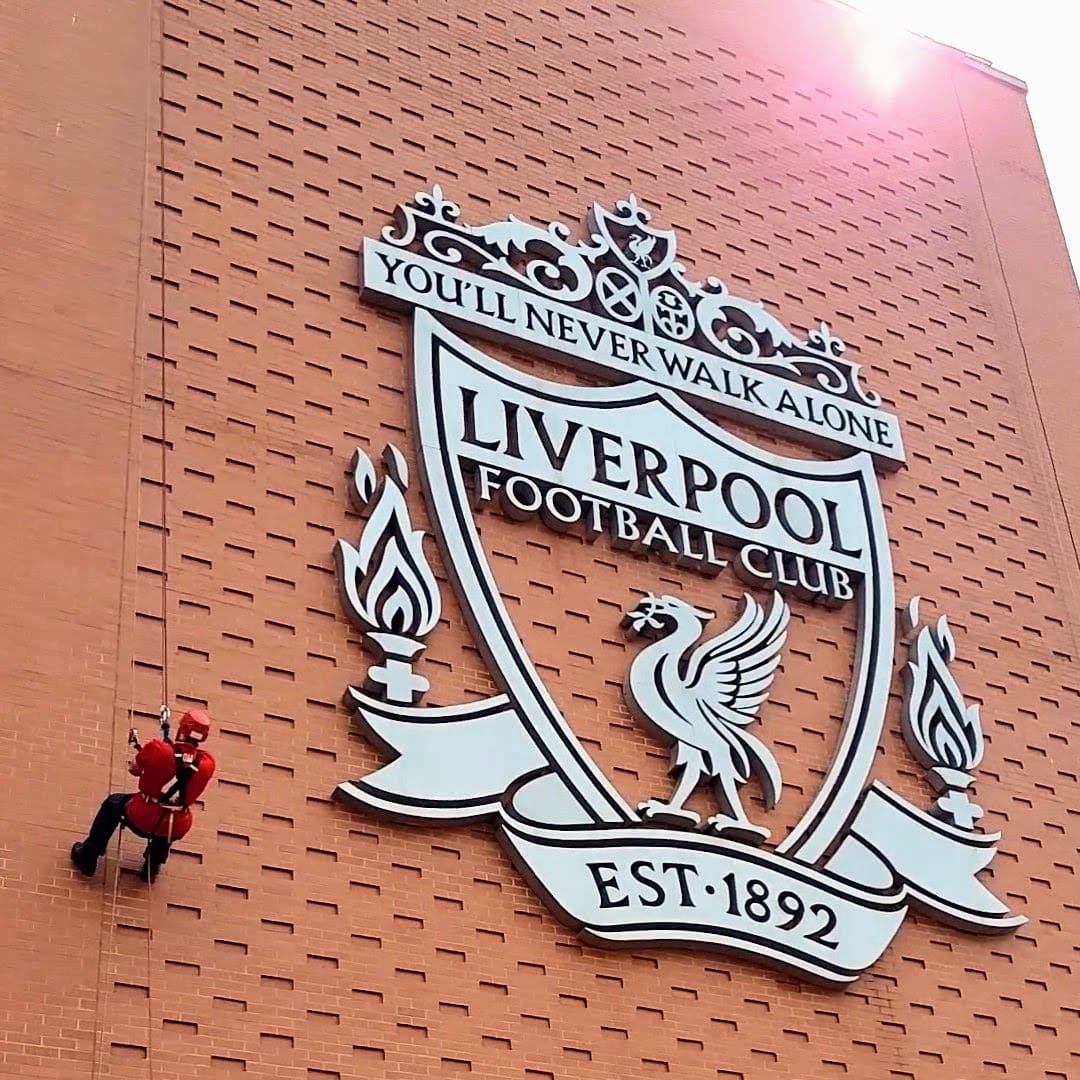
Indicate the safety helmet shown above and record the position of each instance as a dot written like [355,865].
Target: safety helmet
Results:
[194,726]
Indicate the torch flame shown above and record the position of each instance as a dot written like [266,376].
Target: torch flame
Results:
[397,597]
[386,581]
[362,485]
[940,729]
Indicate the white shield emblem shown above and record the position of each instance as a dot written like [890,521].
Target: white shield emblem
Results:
[643,249]
[636,463]
[637,255]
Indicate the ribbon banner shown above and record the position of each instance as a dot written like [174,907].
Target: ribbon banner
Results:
[624,885]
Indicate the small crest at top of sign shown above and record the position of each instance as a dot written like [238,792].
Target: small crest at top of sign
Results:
[620,300]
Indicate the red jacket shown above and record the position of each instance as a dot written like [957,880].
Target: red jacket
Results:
[155,766]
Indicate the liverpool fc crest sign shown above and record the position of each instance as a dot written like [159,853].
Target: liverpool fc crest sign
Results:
[644,464]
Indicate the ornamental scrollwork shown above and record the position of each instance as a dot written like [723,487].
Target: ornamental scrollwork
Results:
[627,271]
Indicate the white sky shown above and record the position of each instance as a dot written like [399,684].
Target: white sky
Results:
[1035,40]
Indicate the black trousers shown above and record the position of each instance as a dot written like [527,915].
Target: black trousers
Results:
[104,825]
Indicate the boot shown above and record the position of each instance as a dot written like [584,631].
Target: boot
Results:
[154,857]
[82,860]
[147,872]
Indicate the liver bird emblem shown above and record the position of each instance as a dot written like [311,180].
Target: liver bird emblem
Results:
[641,250]
[701,697]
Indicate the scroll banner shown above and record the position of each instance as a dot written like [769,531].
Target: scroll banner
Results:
[620,883]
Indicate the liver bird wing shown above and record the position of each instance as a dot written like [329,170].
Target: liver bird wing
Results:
[729,675]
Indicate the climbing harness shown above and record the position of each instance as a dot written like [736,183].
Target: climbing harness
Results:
[171,800]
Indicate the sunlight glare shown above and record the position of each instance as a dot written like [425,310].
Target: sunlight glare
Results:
[886,46]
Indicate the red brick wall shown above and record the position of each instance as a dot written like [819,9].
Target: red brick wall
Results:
[293,937]
[74,94]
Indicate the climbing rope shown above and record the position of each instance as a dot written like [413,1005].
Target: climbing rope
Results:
[149,966]
[107,933]
[164,474]
[105,950]
[164,477]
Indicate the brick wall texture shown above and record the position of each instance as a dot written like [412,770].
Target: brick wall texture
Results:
[185,187]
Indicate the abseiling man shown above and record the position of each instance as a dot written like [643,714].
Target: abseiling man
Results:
[172,776]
